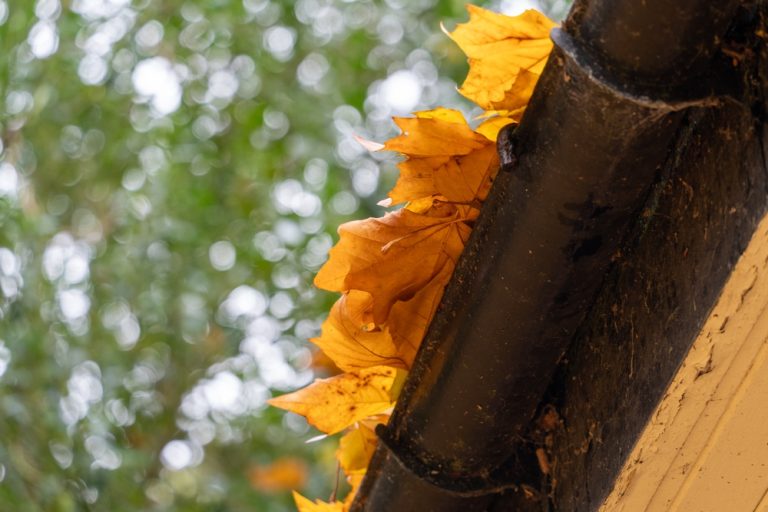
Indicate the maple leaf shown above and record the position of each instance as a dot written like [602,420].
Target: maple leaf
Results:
[357,446]
[335,403]
[395,256]
[457,167]
[437,132]
[491,127]
[506,56]
[354,481]
[305,505]
[352,341]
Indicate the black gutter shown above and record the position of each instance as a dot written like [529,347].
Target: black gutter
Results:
[587,154]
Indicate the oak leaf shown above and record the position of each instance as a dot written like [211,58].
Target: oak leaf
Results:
[395,256]
[335,403]
[506,56]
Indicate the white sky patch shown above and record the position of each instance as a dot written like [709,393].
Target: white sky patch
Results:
[43,39]
[9,180]
[3,11]
[222,255]
[118,317]
[47,9]
[84,388]
[222,84]
[517,7]
[94,9]
[176,455]
[156,80]
[74,304]
[65,258]
[92,69]
[244,301]
[312,69]
[289,196]
[279,41]
[104,456]
[401,91]
[223,392]
[5,358]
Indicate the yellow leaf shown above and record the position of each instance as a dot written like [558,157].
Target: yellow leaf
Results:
[357,446]
[354,481]
[491,127]
[444,114]
[305,505]
[506,57]
[280,475]
[333,404]
[395,256]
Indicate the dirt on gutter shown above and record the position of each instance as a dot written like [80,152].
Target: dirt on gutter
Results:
[706,446]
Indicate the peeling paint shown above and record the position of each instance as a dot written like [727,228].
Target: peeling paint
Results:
[705,447]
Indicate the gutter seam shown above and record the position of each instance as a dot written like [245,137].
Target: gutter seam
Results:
[591,67]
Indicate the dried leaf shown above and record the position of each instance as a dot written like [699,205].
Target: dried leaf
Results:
[395,256]
[353,341]
[457,169]
[492,126]
[506,57]
[305,505]
[436,132]
[357,446]
[354,481]
[333,404]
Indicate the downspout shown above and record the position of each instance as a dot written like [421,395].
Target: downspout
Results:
[596,132]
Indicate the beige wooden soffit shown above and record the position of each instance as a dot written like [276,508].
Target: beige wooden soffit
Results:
[706,446]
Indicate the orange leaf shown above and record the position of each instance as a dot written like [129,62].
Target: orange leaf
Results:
[353,342]
[436,132]
[506,56]
[395,256]
[305,505]
[456,169]
[282,474]
[333,404]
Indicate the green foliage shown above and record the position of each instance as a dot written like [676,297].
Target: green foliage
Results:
[171,176]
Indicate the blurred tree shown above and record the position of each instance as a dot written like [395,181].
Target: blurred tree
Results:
[171,176]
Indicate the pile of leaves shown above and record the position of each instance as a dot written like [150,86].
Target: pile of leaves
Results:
[391,271]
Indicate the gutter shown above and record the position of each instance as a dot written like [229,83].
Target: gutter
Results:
[591,149]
